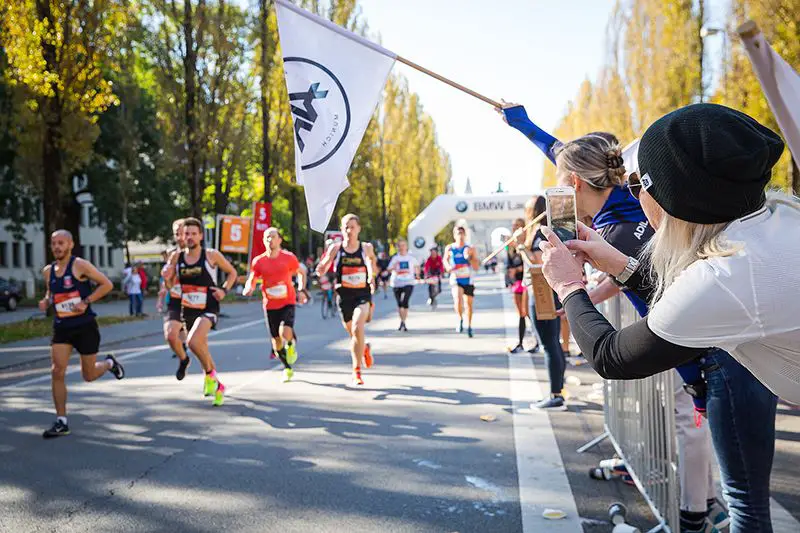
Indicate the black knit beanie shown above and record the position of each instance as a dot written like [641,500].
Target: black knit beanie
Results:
[707,163]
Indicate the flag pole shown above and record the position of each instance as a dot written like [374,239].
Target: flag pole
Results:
[514,236]
[449,82]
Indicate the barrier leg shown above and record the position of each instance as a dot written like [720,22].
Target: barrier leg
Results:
[594,442]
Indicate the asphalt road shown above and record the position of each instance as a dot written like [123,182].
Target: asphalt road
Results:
[408,452]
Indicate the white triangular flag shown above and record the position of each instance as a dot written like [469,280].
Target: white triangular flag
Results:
[779,81]
[334,79]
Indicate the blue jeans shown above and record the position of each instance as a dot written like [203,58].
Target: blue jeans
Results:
[550,333]
[135,302]
[741,415]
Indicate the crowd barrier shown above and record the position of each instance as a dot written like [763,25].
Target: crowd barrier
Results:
[639,421]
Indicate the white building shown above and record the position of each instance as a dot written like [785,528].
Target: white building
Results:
[23,260]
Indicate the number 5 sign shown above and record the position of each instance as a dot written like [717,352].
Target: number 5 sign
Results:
[234,234]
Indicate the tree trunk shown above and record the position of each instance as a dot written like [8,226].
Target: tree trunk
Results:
[293,207]
[190,110]
[265,68]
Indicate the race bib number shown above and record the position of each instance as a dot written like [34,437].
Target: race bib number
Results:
[354,277]
[462,271]
[65,304]
[277,292]
[194,297]
[175,291]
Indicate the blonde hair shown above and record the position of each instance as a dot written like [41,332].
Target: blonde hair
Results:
[348,217]
[595,158]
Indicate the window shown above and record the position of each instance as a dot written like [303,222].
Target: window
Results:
[29,255]
[92,257]
[15,255]
[3,254]
[101,256]
[110,256]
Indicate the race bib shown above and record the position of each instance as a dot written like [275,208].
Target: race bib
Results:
[65,304]
[277,292]
[462,271]
[175,291]
[194,297]
[354,277]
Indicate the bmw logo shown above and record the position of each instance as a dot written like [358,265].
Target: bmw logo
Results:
[461,206]
[419,242]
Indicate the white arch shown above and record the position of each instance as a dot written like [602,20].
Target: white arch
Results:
[448,207]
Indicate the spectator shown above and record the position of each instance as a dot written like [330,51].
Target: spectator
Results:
[132,283]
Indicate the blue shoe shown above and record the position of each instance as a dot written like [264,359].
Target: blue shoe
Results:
[460,328]
[718,515]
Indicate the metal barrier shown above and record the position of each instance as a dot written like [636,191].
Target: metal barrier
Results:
[639,420]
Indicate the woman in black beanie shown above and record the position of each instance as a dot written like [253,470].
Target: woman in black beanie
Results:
[724,271]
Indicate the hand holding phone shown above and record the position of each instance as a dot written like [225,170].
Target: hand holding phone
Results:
[561,212]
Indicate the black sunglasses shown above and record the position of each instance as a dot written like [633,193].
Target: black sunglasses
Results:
[634,185]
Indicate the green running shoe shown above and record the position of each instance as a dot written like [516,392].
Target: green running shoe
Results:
[219,395]
[291,353]
[210,386]
[288,374]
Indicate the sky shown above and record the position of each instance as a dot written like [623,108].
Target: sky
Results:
[533,52]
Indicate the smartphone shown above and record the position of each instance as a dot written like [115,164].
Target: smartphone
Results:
[561,213]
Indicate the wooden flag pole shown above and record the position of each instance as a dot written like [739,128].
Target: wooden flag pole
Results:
[514,237]
[449,82]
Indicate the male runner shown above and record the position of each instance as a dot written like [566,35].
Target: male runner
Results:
[355,265]
[405,270]
[195,269]
[274,269]
[174,332]
[74,325]
[460,259]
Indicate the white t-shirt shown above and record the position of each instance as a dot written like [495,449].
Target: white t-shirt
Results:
[747,304]
[405,269]
[134,283]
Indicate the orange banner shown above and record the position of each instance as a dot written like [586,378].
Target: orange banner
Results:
[234,234]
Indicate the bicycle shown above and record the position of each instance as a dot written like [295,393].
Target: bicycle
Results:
[327,304]
[434,282]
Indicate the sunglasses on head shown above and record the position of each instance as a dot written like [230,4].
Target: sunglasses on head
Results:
[634,185]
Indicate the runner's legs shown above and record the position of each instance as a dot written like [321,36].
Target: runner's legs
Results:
[175,337]
[59,353]
[357,329]
[198,343]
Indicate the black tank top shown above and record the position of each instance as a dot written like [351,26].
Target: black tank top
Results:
[352,276]
[515,261]
[196,279]
[65,292]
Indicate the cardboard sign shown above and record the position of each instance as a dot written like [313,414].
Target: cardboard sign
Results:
[544,303]
[234,234]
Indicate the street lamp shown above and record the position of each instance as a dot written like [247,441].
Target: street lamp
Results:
[383,197]
[706,32]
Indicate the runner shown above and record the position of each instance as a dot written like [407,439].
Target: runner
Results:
[74,325]
[355,265]
[383,272]
[405,271]
[516,273]
[434,268]
[275,269]
[460,259]
[174,332]
[196,270]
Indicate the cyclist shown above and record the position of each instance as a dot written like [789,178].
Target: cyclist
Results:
[433,270]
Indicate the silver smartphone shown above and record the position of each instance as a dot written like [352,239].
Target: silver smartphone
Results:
[561,213]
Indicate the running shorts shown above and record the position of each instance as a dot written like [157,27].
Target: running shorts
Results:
[190,316]
[348,306]
[84,338]
[469,290]
[517,287]
[172,315]
[403,296]
[276,317]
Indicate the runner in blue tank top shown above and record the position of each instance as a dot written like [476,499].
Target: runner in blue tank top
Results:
[74,326]
[460,260]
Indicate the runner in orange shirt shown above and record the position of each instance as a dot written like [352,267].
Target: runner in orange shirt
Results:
[275,269]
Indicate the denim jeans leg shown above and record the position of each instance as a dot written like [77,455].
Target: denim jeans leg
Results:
[741,415]
[550,333]
[131,298]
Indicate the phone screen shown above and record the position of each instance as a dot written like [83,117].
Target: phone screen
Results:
[562,219]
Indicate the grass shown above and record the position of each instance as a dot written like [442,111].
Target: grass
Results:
[35,328]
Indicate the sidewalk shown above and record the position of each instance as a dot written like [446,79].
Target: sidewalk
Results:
[24,352]
[114,307]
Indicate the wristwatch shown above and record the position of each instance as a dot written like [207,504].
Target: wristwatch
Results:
[627,272]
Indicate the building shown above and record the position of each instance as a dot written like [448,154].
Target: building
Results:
[23,260]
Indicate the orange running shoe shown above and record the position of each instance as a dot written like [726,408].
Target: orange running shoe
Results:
[368,359]
[357,377]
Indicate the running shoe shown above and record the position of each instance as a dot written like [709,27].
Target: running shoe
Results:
[535,349]
[116,368]
[368,359]
[183,364]
[58,429]
[403,325]
[469,332]
[400,327]
[718,515]
[357,380]
[517,349]
[288,374]
[554,403]
[209,386]
[219,395]
[460,328]
[291,353]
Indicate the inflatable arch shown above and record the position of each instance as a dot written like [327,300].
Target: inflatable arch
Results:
[446,208]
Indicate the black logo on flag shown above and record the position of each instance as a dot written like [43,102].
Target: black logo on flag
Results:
[321,110]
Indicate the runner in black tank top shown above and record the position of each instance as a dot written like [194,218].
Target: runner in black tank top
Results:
[174,332]
[355,265]
[195,269]
[74,325]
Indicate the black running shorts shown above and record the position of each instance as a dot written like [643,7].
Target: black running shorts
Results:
[403,296]
[348,306]
[276,317]
[191,316]
[469,290]
[84,338]
[172,315]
